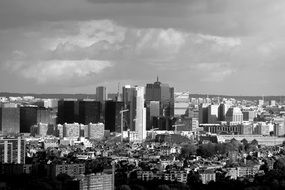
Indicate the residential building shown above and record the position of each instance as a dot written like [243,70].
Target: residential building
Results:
[12,150]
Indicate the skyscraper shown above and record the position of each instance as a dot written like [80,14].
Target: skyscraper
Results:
[129,99]
[112,115]
[213,113]
[140,120]
[89,111]
[9,120]
[28,118]
[164,94]
[101,94]
[67,111]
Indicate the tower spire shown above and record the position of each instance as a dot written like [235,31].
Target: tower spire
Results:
[157,80]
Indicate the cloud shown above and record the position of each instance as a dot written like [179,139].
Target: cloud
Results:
[77,50]
[58,71]
[214,72]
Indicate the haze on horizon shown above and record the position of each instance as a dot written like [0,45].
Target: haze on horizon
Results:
[205,46]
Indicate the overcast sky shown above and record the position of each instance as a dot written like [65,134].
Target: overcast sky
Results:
[234,47]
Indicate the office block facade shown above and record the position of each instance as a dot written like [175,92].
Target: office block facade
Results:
[89,111]
[112,116]
[12,150]
[9,120]
[28,118]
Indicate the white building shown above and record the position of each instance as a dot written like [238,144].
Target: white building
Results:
[140,121]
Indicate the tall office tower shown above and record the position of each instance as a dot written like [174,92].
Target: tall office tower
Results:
[12,150]
[9,120]
[67,111]
[45,115]
[140,121]
[112,116]
[129,99]
[89,111]
[203,113]
[28,118]
[213,113]
[279,126]
[153,110]
[248,115]
[71,130]
[234,115]
[164,94]
[101,94]
[223,108]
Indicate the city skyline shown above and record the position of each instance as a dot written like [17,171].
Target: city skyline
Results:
[206,47]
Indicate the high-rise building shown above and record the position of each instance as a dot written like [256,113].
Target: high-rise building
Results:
[112,116]
[140,120]
[213,113]
[129,99]
[28,118]
[67,111]
[162,93]
[9,120]
[153,110]
[203,113]
[223,108]
[279,126]
[101,94]
[234,115]
[45,115]
[12,150]
[248,115]
[89,111]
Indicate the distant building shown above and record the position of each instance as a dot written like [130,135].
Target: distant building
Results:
[234,115]
[223,108]
[73,170]
[162,93]
[67,111]
[89,111]
[113,116]
[94,131]
[248,115]
[71,130]
[140,122]
[247,129]
[279,126]
[203,113]
[272,103]
[9,120]
[213,113]
[101,94]
[97,181]
[12,150]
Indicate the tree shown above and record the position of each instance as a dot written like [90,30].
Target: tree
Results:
[188,150]
[280,165]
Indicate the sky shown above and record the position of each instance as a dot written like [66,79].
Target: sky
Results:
[203,46]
